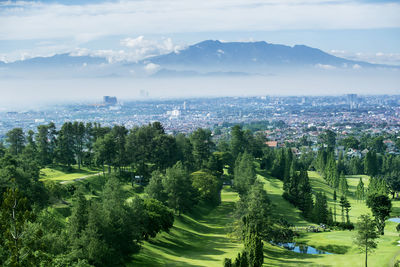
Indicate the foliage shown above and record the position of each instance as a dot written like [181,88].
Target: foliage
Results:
[244,174]
[381,207]
[208,187]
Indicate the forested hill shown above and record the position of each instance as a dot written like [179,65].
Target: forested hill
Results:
[88,195]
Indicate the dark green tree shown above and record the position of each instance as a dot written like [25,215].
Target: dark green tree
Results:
[16,140]
[178,187]
[380,206]
[155,188]
[244,174]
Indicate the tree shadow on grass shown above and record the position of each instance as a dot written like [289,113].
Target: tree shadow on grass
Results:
[284,257]
[183,243]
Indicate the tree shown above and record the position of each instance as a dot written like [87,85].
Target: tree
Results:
[208,187]
[155,188]
[371,164]
[345,205]
[380,206]
[393,181]
[202,146]
[79,140]
[227,262]
[178,187]
[43,146]
[15,214]
[254,248]
[321,211]
[360,191]
[66,145]
[16,140]
[244,174]
[104,149]
[238,141]
[366,235]
[158,218]
[328,138]
[350,142]
[343,186]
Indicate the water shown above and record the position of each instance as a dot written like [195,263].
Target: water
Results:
[396,220]
[301,248]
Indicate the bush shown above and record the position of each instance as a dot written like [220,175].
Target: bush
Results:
[344,226]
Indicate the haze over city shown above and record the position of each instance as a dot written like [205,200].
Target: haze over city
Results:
[125,37]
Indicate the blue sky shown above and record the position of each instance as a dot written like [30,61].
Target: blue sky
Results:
[130,30]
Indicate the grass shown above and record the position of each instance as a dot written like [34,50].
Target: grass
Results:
[60,173]
[281,207]
[202,237]
[338,242]
[197,239]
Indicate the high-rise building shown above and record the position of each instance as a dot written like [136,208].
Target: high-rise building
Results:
[110,100]
[352,101]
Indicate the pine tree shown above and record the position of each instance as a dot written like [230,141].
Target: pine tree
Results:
[360,192]
[321,209]
[334,203]
[343,186]
[345,205]
[254,248]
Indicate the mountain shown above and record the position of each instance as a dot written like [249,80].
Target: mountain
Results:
[58,60]
[247,54]
[205,59]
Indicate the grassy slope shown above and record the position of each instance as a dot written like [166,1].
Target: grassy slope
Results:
[336,241]
[61,174]
[199,239]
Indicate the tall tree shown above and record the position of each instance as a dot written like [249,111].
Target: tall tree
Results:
[380,206]
[104,149]
[238,141]
[15,214]
[66,145]
[360,191]
[208,187]
[244,174]
[16,139]
[43,146]
[366,235]
[202,146]
[155,188]
[178,187]
[79,141]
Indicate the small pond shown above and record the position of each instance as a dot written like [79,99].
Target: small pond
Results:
[301,248]
[396,220]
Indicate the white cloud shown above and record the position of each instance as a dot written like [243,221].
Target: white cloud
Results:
[33,20]
[376,58]
[151,68]
[142,48]
[325,67]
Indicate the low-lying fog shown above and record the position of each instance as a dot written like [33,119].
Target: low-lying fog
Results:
[26,93]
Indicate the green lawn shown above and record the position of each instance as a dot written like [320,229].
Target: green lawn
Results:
[338,242]
[201,238]
[63,174]
[198,239]
[281,207]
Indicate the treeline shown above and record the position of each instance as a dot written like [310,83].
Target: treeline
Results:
[104,230]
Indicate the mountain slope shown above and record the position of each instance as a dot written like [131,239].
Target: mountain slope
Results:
[216,53]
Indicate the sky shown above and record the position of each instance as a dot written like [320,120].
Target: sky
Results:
[131,30]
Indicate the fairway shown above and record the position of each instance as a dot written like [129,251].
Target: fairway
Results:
[198,239]
[65,175]
[201,238]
